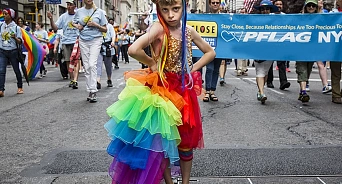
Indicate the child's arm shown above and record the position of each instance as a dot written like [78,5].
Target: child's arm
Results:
[55,45]
[208,51]
[136,50]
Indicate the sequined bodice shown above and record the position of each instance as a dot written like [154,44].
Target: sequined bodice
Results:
[173,60]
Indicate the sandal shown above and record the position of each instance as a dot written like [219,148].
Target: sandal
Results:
[206,97]
[213,97]
[20,91]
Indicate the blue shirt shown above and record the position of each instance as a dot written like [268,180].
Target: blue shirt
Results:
[42,34]
[108,38]
[7,42]
[82,15]
[70,33]
[124,38]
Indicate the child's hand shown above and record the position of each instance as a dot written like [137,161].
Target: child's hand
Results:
[153,67]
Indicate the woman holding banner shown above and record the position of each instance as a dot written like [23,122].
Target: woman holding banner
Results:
[303,69]
[262,66]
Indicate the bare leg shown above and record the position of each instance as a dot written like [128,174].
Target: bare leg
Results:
[223,69]
[261,83]
[76,70]
[167,176]
[185,169]
[302,86]
[322,73]
[70,73]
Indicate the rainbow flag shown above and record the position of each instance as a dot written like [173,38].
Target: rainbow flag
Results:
[125,25]
[2,17]
[36,53]
[52,37]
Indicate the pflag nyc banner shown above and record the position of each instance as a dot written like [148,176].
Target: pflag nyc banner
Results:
[291,37]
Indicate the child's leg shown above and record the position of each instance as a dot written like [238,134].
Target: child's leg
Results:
[186,170]
[167,176]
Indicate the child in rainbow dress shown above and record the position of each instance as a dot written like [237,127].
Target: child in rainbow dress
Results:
[157,121]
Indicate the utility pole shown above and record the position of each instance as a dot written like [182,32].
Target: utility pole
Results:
[35,3]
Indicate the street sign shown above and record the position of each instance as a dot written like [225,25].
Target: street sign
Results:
[53,2]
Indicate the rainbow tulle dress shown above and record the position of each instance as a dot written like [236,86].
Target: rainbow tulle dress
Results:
[150,123]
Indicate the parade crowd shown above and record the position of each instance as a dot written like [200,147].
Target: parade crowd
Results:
[112,41]
[159,123]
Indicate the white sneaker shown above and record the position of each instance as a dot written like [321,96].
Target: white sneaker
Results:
[326,89]
[40,76]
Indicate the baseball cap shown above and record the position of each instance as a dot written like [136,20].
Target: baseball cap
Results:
[71,1]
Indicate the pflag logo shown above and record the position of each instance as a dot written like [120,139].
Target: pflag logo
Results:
[231,36]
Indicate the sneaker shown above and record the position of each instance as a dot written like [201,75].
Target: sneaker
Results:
[2,94]
[307,88]
[74,85]
[304,97]
[116,67]
[238,72]
[71,83]
[288,70]
[222,81]
[65,78]
[44,73]
[109,83]
[98,85]
[89,96]
[326,89]
[261,97]
[40,76]
[93,98]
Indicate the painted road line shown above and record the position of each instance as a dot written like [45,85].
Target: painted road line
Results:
[321,180]
[249,180]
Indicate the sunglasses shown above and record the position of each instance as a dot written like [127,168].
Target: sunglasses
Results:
[311,5]
[215,2]
[265,8]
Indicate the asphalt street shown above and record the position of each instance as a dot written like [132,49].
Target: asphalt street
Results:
[51,134]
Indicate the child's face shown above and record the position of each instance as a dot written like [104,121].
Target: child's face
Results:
[172,13]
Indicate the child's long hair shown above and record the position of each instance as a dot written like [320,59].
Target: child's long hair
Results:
[165,49]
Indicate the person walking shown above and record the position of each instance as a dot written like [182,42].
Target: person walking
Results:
[11,37]
[212,68]
[70,34]
[91,23]
[42,37]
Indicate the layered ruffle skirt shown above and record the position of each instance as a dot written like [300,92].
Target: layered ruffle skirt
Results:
[149,123]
